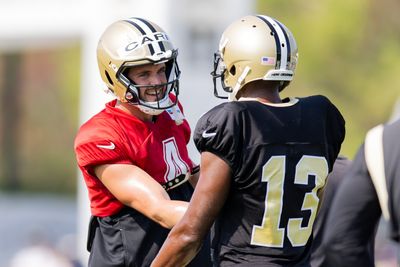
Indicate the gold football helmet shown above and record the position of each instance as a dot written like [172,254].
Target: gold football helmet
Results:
[254,48]
[132,42]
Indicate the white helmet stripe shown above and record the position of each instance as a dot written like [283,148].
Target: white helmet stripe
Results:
[287,41]
[282,45]
[153,30]
[275,34]
[145,29]
[131,21]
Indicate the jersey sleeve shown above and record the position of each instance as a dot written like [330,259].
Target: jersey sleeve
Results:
[99,145]
[217,132]
[337,121]
[334,127]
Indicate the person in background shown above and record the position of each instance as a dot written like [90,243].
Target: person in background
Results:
[133,154]
[371,190]
[335,179]
[264,159]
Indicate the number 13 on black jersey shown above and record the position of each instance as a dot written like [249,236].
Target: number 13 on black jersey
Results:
[270,233]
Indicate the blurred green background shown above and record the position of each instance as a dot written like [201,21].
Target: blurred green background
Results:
[349,50]
[39,119]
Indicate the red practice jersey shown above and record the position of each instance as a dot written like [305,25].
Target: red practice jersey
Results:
[114,137]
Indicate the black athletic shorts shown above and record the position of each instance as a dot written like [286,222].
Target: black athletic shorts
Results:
[129,239]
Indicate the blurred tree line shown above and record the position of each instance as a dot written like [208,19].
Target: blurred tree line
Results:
[39,90]
[349,50]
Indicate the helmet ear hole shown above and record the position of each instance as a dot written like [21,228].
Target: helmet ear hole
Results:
[109,78]
[131,97]
[232,70]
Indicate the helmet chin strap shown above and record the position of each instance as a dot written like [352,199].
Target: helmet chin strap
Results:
[155,111]
[232,96]
[150,111]
[174,112]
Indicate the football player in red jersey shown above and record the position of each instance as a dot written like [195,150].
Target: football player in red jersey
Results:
[133,154]
[264,159]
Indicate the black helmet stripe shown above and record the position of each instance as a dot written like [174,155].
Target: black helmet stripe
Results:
[153,30]
[147,28]
[143,32]
[281,41]
[277,43]
[287,41]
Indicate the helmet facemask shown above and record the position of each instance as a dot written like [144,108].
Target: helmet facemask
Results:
[218,73]
[133,89]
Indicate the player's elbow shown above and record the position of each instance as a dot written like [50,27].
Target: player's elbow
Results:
[159,216]
[168,214]
[189,242]
[162,220]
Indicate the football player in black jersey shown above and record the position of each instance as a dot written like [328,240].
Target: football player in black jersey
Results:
[335,178]
[264,160]
[373,189]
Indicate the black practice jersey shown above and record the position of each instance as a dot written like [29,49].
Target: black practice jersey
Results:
[335,178]
[356,212]
[280,156]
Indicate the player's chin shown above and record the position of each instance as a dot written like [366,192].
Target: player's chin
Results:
[155,96]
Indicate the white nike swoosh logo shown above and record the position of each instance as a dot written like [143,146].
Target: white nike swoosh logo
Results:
[207,135]
[111,146]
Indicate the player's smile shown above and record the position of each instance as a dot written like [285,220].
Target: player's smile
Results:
[152,80]
[154,94]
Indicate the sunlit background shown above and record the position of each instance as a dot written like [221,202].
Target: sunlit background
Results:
[349,50]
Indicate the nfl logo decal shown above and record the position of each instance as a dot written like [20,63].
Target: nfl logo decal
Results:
[267,61]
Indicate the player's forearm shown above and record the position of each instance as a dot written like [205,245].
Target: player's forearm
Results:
[178,250]
[169,212]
